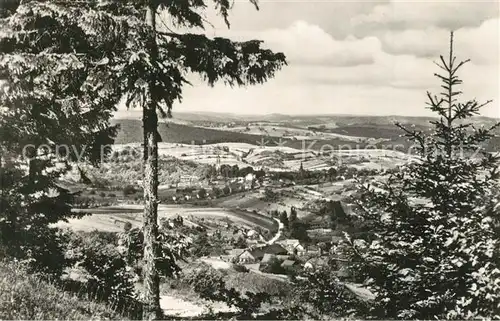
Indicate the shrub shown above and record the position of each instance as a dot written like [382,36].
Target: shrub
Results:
[202,193]
[210,285]
[174,246]
[108,276]
[241,268]
[111,195]
[128,190]
[102,194]
[24,296]
[322,291]
[273,266]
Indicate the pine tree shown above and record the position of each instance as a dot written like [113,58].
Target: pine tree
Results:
[284,219]
[52,98]
[77,59]
[293,215]
[435,254]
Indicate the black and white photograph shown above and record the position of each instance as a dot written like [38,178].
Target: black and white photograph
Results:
[249,160]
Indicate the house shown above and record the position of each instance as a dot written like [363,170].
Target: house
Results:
[293,246]
[315,263]
[314,250]
[248,256]
[235,252]
[267,258]
[275,249]
[288,264]
[257,254]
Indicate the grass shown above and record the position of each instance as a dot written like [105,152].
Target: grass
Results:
[28,297]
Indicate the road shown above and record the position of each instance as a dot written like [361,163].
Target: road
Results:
[281,226]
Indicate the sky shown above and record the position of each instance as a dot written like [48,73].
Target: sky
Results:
[348,57]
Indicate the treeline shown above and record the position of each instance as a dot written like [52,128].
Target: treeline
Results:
[234,171]
[306,177]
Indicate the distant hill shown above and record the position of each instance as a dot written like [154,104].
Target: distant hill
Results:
[204,116]
[131,132]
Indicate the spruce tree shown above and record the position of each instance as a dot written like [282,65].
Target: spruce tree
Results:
[435,253]
[284,219]
[56,100]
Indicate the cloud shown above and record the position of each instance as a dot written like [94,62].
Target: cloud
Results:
[480,44]
[379,62]
[308,44]
[403,15]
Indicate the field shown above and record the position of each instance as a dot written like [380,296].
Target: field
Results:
[112,219]
[274,158]
[335,130]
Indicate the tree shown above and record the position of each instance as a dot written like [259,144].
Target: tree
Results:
[436,254]
[298,230]
[118,43]
[326,295]
[240,242]
[56,107]
[284,219]
[202,193]
[332,173]
[293,215]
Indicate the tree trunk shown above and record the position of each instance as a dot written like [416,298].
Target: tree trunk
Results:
[151,309]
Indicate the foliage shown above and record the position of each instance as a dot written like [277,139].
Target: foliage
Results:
[210,285]
[436,254]
[325,295]
[272,266]
[284,219]
[202,193]
[109,278]
[336,214]
[298,230]
[128,189]
[173,246]
[240,242]
[24,296]
[270,195]
[53,98]
[240,268]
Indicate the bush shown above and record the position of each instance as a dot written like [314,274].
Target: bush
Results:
[108,277]
[128,190]
[326,296]
[210,285]
[29,297]
[174,246]
[241,268]
[202,193]
[111,195]
[273,266]
[102,194]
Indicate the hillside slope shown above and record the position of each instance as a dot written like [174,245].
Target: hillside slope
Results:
[27,297]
